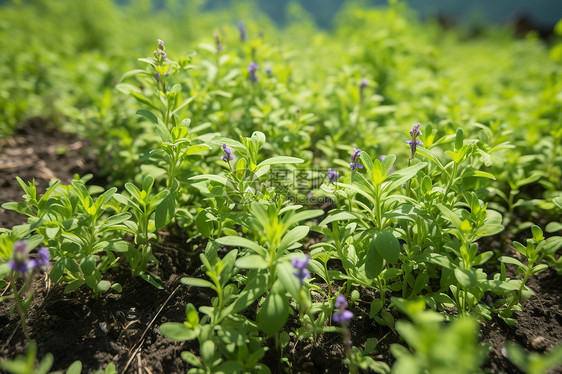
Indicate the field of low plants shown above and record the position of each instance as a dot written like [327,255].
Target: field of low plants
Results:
[206,191]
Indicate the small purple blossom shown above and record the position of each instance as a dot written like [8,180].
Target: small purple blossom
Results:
[342,315]
[355,154]
[333,175]
[43,257]
[159,54]
[156,76]
[410,142]
[414,133]
[354,164]
[364,83]
[228,154]
[242,30]
[362,86]
[21,262]
[300,266]
[252,68]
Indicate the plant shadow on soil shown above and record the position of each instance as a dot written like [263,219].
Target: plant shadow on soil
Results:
[124,327]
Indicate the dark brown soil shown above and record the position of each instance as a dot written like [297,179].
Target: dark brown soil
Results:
[539,324]
[124,327]
[116,327]
[38,151]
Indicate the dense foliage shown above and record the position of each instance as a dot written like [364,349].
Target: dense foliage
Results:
[315,170]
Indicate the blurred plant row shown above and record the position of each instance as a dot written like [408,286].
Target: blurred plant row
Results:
[196,135]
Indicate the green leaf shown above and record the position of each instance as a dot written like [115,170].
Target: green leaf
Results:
[161,128]
[177,331]
[387,163]
[116,219]
[292,237]
[56,271]
[273,313]
[236,241]
[74,368]
[196,282]
[455,220]
[511,260]
[148,115]
[367,161]
[45,364]
[459,139]
[251,262]
[400,177]
[257,285]
[103,286]
[483,174]
[207,349]
[116,287]
[74,285]
[151,279]
[489,230]
[303,216]
[373,261]
[466,278]
[387,246]
[197,148]
[285,273]
[165,211]
[377,173]
[190,358]
[339,216]
[280,160]
[558,201]
[87,265]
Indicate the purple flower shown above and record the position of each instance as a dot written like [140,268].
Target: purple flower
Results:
[156,76]
[333,175]
[341,302]
[161,45]
[414,133]
[300,266]
[410,142]
[43,257]
[21,262]
[242,30]
[228,154]
[342,315]
[356,153]
[252,68]
[362,86]
[364,83]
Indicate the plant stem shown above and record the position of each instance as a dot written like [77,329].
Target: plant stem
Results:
[21,310]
